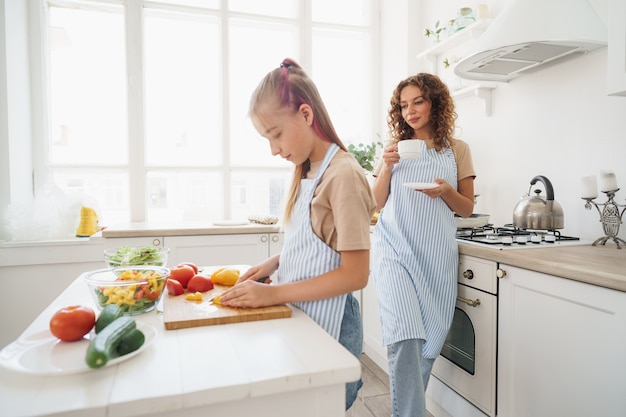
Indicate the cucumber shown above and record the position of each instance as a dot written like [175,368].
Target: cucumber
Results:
[130,342]
[109,313]
[103,346]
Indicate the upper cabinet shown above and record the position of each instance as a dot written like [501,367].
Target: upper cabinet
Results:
[441,58]
[616,54]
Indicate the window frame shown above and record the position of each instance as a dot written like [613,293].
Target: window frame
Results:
[137,169]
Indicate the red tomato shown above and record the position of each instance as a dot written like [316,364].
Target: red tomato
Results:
[200,283]
[72,323]
[182,274]
[174,287]
[191,264]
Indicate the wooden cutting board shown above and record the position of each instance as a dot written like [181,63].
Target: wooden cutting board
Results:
[180,313]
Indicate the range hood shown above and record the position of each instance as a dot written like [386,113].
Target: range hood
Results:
[531,33]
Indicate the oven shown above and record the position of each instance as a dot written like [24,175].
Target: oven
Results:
[464,382]
[467,363]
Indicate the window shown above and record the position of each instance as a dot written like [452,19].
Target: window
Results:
[148,100]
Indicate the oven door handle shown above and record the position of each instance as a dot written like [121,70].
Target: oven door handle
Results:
[471,303]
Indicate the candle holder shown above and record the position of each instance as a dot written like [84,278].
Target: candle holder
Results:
[610,216]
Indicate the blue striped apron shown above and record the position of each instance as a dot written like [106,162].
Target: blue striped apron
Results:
[305,255]
[415,255]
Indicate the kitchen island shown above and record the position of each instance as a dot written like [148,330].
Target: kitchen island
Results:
[282,367]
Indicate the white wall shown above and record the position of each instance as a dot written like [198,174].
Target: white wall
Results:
[558,122]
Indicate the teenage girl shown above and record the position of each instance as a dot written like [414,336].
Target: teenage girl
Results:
[325,255]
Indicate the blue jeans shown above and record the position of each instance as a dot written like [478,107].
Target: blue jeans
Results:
[409,373]
[351,337]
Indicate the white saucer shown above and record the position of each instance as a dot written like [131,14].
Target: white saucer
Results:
[44,354]
[421,185]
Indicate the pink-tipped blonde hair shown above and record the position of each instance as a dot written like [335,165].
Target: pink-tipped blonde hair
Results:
[290,87]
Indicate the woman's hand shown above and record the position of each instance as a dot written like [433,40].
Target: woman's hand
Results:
[391,156]
[461,201]
[442,189]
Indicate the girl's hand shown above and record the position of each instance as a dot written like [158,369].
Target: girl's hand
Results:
[260,272]
[249,294]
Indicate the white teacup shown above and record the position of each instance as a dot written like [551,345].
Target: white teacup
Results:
[410,148]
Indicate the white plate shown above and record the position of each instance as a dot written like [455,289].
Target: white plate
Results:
[231,223]
[44,354]
[421,185]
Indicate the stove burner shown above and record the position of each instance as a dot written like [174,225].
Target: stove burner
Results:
[509,235]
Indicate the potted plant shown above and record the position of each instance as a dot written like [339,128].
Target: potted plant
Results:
[365,154]
[436,33]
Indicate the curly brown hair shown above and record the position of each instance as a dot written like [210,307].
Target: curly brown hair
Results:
[442,113]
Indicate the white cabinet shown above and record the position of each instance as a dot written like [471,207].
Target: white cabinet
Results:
[241,249]
[616,54]
[372,329]
[561,347]
[32,276]
[455,46]
[138,242]
[276,243]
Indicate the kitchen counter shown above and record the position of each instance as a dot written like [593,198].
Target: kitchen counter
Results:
[604,266]
[186,229]
[282,367]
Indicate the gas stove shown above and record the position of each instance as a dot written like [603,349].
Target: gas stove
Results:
[509,237]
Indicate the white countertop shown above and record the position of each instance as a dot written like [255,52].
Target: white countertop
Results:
[184,229]
[602,265]
[241,369]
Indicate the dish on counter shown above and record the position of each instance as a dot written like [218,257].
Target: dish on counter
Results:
[43,354]
[231,223]
[421,185]
[136,290]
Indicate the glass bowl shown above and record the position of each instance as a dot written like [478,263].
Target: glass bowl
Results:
[135,290]
[135,256]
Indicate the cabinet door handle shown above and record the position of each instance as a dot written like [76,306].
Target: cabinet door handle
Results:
[263,238]
[274,238]
[156,242]
[471,303]
[468,274]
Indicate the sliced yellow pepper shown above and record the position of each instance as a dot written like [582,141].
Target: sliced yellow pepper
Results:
[196,296]
[225,276]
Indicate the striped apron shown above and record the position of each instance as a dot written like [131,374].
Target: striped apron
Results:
[415,255]
[305,255]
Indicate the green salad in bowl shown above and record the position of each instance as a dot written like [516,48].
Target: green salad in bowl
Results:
[136,256]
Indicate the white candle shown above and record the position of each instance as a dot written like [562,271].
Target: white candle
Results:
[608,182]
[589,187]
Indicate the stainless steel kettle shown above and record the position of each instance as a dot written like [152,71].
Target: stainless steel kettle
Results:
[536,212]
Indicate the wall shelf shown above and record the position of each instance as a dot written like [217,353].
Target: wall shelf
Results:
[482,90]
[472,31]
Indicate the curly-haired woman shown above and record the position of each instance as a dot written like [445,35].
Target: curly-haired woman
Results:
[415,254]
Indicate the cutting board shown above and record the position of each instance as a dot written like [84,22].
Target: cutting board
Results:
[180,313]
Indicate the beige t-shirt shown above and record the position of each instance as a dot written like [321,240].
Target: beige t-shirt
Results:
[343,204]
[463,157]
